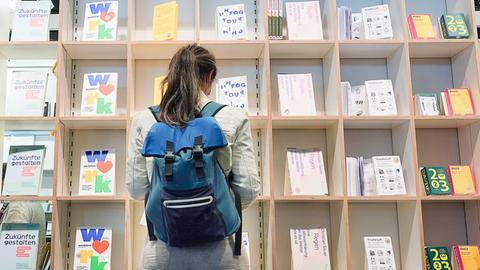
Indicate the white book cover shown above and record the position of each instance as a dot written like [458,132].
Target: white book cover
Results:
[379,253]
[426,105]
[296,94]
[97,172]
[93,248]
[231,22]
[356,27]
[24,171]
[368,180]
[357,101]
[246,245]
[353,177]
[304,20]
[305,173]
[389,175]
[101,20]
[309,249]
[346,88]
[99,95]
[26,95]
[377,23]
[233,91]
[5,20]
[381,98]
[30,21]
[19,246]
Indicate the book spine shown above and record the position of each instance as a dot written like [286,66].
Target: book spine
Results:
[413,30]
[426,183]
[471,101]
[458,258]
[427,261]
[449,102]
[443,27]
[450,179]
[280,19]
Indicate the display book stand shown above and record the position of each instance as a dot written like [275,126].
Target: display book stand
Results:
[413,221]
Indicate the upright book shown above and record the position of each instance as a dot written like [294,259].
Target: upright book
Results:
[304,20]
[421,26]
[165,21]
[436,181]
[233,91]
[26,94]
[93,247]
[99,95]
[19,245]
[437,258]
[453,26]
[231,22]
[305,173]
[381,98]
[389,175]
[377,22]
[465,258]
[24,170]
[309,249]
[30,21]
[379,253]
[100,22]
[97,172]
[459,101]
[357,101]
[461,180]
[426,104]
[159,89]
[296,94]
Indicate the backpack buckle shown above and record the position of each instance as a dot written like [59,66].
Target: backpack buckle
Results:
[169,157]
[197,151]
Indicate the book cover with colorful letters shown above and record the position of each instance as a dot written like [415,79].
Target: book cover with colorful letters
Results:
[436,181]
[231,22]
[232,91]
[101,21]
[93,247]
[99,95]
[97,172]
[437,258]
[19,246]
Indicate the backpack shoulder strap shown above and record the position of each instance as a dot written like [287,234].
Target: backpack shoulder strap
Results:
[211,109]
[155,110]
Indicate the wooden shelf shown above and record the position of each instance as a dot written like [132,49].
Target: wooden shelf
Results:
[95,122]
[224,49]
[307,198]
[28,49]
[26,198]
[445,121]
[305,122]
[299,49]
[27,123]
[89,199]
[374,122]
[87,50]
[380,199]
[156,49]
[438,47]
[368,48]
[451,198]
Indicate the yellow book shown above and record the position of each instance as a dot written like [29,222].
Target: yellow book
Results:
[158,90]
[466,257]
[461,180]
[460,102]
[421,26]
[165,21]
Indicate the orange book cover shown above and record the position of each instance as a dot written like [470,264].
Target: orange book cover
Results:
[421,26]
[461,180]
[467,257]
[459,101]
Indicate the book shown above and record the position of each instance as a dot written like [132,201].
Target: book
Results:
[345,89]
[310,249]
[165,21]
[356,26]
[444,110]
[377,22]
[97,172]
[231,22]
[159,89]
[344,22]
[368,182]
[426,104]
[379,253]
[93,247]
[233,91]
[357,101]
[26,95]
[461,180]
[389,175]
[5,20]
[353,177]
[421,26]
[304,20]
[453,26]
[99,94]
[19,245]
[465,258]
[30,21]
[380,98]
[305,173]
[436,181]
[459,102]
[100,21]
[437,258]
[24,171]
[296,94]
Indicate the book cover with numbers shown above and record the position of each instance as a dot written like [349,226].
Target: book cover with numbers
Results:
[97,172]
[100,21]
[99,95]
[437,258]
[233,91]
[93,247]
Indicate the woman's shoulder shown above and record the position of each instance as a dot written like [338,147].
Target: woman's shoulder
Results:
[143,119]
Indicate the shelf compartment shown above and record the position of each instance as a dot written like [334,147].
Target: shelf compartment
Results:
[156,49]
[445,121]
[372,122]
[237,49]
[299,49]
[438,48]
[307,198]
[381,199]
[87,122]
[89,50]
[28,49]
[399,220]
[369,48]
[303,122]
[311,215]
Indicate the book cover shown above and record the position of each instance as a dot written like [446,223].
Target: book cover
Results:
[459,101]
[444,107]
[310,249]
[5,20]
[426,104]
[296,94]
[421,26]
[379,253]
[100,21]
[231,22]
[436,181]
[356,28]
[377,22]
[30,21]
[304,20]
[353,176]
[389,175]
[461,180]
[357,101]
[24,171]
[305,173]
[437,258]
[165,21]
[465,258]
[368,181]
[97,172]
[233,91]
[26,95]
[346,87]
[99,95]
[380,98]
[158,90]
[453,26]
[19,245]
[93,247]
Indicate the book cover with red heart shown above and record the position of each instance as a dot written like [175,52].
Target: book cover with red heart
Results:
[99,94]
[100,21]
[93,247]
[97,172]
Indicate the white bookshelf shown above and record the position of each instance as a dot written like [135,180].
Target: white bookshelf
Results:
[412,221]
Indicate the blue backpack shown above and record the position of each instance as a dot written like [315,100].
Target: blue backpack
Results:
[190,201]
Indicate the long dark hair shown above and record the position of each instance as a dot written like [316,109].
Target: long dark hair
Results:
[191,69]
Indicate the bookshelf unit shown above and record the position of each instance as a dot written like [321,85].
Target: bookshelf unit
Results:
[412,221]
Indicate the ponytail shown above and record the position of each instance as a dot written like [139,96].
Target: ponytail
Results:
[191,70]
